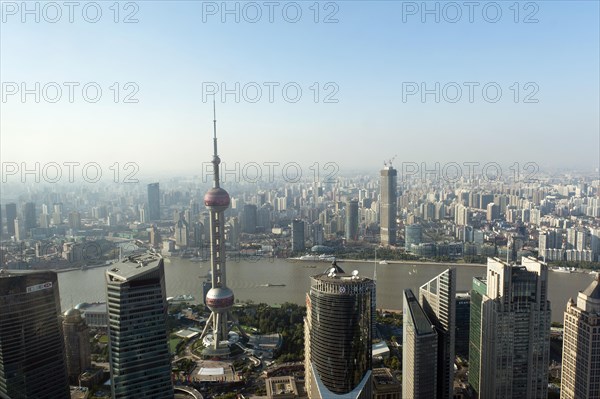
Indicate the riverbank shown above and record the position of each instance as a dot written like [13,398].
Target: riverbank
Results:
[391,262]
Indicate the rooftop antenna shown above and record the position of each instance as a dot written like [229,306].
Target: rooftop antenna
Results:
[375,270]
[508,249]
[216,161]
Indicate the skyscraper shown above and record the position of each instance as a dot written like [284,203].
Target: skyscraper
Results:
[419,351]
[219,298]
[338,340]
[463,315]
[75,220]
[438,299]
[388,205]
[32,358]
[249,219]
[581,345]
[11,215]
[140,363]
[29,219]
[77,344]
[153,202]
[571,238]
[298,238]
[351,231]
[182,231]
[478,291]
[515,331]
[413,234]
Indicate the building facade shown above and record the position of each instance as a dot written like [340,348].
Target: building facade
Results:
[581,345]
[478,291]
[32,355]
[419,351]
[140,363]
[438,300]
[339,335]
[463,323]
[298,239]
[351,231]
[77,344]
[515,331]
[11,215]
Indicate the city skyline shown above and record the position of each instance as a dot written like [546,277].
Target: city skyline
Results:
[449,149]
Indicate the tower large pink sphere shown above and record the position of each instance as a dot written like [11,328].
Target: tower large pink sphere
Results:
[219,299]
[217,198]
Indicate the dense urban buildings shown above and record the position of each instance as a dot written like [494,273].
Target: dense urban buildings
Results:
[140,362]
[581,345]
[388,205]
[339,335]
[419,351]
[514,340]
[549,219]
[32,355]
[438,300]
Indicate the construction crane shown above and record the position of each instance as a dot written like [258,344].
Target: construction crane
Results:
[389,162]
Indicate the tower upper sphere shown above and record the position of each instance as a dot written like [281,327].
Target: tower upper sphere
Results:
[217,198]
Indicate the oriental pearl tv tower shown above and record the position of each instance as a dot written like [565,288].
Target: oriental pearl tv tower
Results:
[219,298]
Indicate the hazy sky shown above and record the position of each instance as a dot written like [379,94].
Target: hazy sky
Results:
[375,61]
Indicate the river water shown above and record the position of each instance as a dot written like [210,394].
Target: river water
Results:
[246,278]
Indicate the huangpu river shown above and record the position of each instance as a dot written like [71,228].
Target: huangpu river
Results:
[248,280]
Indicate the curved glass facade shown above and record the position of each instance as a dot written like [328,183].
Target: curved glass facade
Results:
[341,336]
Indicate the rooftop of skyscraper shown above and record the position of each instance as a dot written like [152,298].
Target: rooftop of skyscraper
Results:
[420,320]
[336,273]
[593,290]
[134,265]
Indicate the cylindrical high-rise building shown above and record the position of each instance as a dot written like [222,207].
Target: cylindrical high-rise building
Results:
[339,333]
